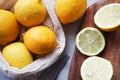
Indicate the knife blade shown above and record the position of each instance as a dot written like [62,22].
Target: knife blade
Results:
[52,72]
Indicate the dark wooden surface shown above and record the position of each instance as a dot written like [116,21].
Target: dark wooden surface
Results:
[112,48]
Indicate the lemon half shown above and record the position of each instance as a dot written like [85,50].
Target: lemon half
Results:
[107,18]
[90,41]
[96,68]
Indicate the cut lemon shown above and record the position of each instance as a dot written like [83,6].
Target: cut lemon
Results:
[96,68]
[107,18]
[90,41]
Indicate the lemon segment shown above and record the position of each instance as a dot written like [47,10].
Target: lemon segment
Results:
[96,68]
[107,18]
[90,41]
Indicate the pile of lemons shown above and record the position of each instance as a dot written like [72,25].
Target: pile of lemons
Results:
[38,39]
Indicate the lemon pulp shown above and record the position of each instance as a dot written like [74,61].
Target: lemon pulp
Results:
[107,18]
[96,68]
[90,41]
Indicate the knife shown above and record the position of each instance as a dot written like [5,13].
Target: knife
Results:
[52,72]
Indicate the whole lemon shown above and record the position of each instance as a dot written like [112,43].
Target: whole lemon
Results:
[9,28]
[30,12]
[40,40]
[17,55]
[70,10]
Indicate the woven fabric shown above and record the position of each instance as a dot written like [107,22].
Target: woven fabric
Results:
[41,63]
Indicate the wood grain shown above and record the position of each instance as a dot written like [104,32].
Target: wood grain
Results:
[112,48]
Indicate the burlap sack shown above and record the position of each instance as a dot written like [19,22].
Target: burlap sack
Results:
[42,62]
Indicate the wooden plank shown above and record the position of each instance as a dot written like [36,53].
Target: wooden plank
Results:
[112,48]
